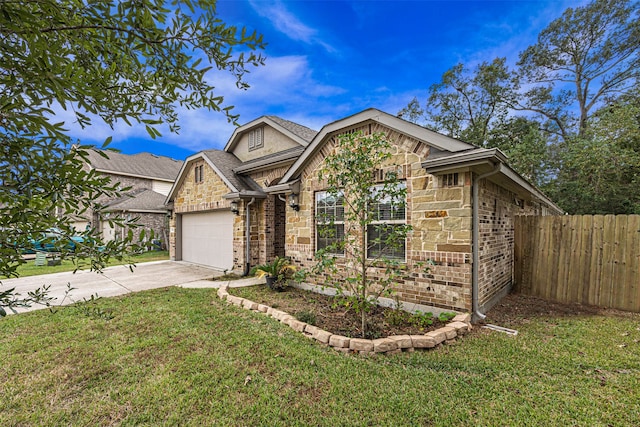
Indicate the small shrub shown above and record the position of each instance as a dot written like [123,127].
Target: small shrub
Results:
[421,320]
[306,317]
[396,317]
[446,316]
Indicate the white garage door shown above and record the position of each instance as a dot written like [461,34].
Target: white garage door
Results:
[207,239]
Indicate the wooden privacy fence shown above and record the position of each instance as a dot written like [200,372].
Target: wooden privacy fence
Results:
[583,259]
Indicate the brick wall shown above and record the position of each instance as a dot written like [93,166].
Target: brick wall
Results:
[497,209]
[441,220]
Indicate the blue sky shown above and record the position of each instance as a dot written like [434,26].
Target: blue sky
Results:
[327,60]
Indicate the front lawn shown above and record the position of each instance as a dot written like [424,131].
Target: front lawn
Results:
[31,269]
[181,357]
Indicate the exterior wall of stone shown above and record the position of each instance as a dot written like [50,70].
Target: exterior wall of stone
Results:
[206,195]
[441,220]
[264,239]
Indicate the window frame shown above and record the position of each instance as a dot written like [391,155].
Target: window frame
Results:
[337,219]
[390,221]
[199,174]
[255,139]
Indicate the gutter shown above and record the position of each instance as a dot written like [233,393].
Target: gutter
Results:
[476,315]
[247,224]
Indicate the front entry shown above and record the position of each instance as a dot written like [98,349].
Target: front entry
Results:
[280,219]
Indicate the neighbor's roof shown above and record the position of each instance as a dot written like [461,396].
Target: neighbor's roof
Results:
[141,200]
[142,165]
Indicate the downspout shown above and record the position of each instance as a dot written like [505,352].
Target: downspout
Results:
[247,223]
[475,243]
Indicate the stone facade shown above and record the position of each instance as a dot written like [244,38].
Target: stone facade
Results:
[441,220]
[437,269]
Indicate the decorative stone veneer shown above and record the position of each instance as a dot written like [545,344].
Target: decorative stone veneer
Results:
[201,196]
[460,325]
[440,217]
[207,195]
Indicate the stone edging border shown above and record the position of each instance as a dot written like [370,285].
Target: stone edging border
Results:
[459,325]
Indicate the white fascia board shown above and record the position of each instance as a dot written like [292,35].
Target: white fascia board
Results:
[470,158]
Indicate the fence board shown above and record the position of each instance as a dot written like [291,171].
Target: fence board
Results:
[584,259]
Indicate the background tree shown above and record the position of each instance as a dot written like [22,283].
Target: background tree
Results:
[587,56]
[364,204]
[135,62]
[466,103]
[600,170]
[583,71]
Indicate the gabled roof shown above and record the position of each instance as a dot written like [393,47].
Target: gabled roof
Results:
[300,134]
[223,164]
[141,200]
[142,165]
[429,137]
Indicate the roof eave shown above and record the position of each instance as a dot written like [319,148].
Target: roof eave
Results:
[245,195]
[267,164]
[489,157]
[429,137]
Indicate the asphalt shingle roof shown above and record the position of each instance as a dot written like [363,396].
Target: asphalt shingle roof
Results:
[302,131]
[143,164]
[226,162]
[139,200]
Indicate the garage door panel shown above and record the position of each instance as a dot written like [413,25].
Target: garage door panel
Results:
[207,239]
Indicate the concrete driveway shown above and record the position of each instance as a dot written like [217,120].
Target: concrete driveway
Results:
[118,280]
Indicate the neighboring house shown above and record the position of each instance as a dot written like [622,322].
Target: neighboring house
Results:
[149,179]
[230,211]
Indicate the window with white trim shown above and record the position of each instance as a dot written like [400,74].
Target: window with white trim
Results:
[256,139]
[329,211]
[388,214]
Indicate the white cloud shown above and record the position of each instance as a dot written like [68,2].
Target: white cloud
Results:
[288,24]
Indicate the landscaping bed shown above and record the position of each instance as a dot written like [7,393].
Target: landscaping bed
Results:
[327,313]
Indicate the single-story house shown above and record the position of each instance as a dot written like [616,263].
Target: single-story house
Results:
[259,198]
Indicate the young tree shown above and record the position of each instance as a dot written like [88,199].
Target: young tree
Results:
[370,242]
[135,62]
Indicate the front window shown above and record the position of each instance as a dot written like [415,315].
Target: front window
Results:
[329,222]
[389,214]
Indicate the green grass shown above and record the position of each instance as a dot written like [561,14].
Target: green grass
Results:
[181,357]
[31,269]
